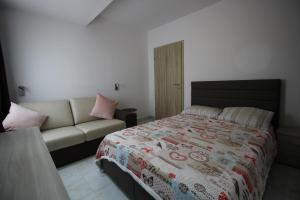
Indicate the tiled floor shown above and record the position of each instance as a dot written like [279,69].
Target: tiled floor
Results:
[283,183]
[84,180]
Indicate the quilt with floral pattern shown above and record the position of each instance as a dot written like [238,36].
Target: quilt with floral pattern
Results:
[189,157]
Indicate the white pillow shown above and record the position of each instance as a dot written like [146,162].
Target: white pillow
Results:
[205,111]
[247,116]
[20,117]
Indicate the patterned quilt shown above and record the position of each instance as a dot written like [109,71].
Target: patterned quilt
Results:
[188,157]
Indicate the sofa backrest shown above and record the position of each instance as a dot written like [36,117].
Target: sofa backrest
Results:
[58,112]
[81,108]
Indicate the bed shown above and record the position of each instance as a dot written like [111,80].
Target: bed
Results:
[191,157]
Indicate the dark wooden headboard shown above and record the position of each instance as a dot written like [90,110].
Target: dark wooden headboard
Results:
[264,94]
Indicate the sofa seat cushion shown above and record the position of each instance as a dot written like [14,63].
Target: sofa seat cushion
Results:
[100,128]
[63,137]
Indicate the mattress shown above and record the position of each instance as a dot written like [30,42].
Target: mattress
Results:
[190,157]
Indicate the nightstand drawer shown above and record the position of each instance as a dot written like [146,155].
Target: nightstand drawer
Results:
[289,147]
[289,159]
[287,141]
[131,120]
[128,115]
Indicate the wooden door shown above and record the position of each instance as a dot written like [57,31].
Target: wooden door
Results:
[168,64]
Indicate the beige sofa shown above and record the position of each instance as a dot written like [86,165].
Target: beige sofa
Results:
[69,123]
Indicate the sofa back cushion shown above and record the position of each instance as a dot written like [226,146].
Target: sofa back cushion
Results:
[58,112]
[81,109]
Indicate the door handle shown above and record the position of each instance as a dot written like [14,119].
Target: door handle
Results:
[176,84]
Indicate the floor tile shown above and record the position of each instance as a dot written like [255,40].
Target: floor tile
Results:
[79,189]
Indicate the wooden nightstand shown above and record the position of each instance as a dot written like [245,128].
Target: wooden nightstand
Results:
[289,146]
[128,115]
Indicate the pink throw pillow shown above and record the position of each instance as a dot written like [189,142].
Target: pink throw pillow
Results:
[104,107]
[20,117]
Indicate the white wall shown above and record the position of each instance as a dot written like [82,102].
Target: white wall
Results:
[235,39]
[59,60]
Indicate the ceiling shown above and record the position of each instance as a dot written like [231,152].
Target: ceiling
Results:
[78,11]
[149,14]
[145,14]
